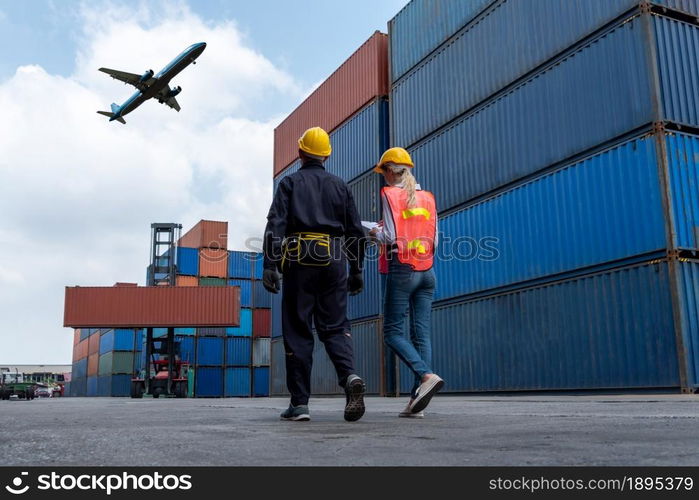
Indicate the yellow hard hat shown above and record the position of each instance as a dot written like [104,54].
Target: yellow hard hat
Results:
[399,156]
[315,141]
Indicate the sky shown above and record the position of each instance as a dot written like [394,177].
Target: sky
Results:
[78,194]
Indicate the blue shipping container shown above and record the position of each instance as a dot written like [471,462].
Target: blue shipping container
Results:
[277,372]
[366,191]
[260,385]
[238,351]
[114,385]
[584,100]
[78,387]
[487,56]
[688,298]
[245,291]
[261,299]
[240,264]
[359,142]
[188,261]
[91,391]
[609,330]
[187,348]
[210,351]
[79,369]
[208,383]
[119,340]
[237,382]
[605,208]
[291,169]
[423,25]
[245,328]
[259,265]
[369,303]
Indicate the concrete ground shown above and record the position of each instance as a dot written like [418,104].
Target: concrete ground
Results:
[458,430]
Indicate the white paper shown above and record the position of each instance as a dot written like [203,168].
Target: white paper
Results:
[368,225]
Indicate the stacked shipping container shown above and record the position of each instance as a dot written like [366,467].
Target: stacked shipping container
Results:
[105,361]
[231,361]
[566,178]
[352,106]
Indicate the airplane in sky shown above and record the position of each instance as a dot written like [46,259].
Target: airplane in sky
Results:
[150,85]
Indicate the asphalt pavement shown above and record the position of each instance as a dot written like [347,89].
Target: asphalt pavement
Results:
[548,430]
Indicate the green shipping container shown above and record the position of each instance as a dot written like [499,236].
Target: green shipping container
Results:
[212,282]
[116,362]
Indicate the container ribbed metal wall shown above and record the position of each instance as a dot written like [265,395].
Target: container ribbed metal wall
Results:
[359,142]
[597,93]
[422,25]
[278,370]
[608,330]
[605,208]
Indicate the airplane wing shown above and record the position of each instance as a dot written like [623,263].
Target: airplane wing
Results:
[170,101]
[123,76]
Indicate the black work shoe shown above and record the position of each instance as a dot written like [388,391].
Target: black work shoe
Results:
[296,413]
[354,390]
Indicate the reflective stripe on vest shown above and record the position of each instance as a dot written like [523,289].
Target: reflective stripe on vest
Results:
[415,226]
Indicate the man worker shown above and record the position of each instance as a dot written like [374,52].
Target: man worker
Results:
[313,232]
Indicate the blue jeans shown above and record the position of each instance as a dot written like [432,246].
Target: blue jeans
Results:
[409,292]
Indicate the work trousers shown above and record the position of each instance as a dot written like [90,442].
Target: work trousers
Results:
[315,295]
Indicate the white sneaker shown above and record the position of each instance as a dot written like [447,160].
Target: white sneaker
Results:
[425,392]
[408,414]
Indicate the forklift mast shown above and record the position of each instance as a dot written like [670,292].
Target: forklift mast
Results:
[163,251]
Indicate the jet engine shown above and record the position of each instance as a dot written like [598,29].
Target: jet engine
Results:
[147,76]
[174,92]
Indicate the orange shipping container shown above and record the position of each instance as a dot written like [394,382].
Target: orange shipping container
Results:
[93,364]
[206,234]
[357,81]
[187,281]
[80,351]
[93,343]
[151,306]
[213,263]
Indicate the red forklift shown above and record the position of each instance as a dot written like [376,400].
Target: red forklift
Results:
[164,373]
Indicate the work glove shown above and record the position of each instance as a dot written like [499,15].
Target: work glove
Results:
[355,283]
[271,280]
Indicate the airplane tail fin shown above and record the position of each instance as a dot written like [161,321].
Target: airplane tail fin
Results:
[111,116]
[115,108]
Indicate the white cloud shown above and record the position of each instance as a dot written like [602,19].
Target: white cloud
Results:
[78,193]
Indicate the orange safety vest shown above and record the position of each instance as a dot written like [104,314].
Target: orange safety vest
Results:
[415,228]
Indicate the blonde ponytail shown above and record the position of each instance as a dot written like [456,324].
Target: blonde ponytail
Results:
[408,181]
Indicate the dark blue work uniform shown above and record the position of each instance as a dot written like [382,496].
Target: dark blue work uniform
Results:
[314,213]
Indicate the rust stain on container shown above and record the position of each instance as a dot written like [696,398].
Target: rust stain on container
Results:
[213,263]
[187,281]
[262,322]
[129,307]
[362,77]
[206,234]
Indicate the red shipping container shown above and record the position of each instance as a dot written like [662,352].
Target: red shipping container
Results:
[76,337]
[206,234]
[213,263]
[261,322]
[357,81]
[93,343]
[151,306]
[93,364]
[80,350]
[187,281]
[119,283]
